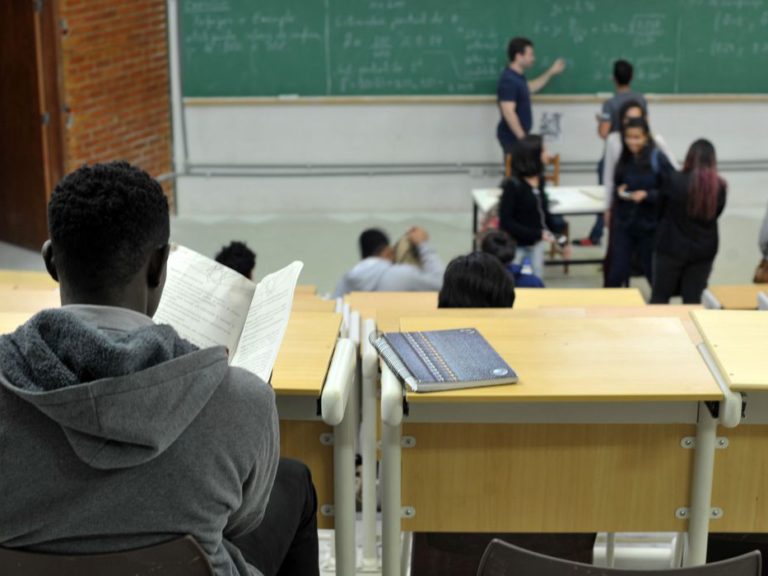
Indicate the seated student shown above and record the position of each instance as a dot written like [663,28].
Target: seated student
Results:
[116,433]
[238,257]
[477,280]
[498,243]
[378,271]
[687,238]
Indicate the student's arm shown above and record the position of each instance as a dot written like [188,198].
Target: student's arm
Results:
[538,83]
[342,287]
[261,477]
[612,153]
[663,147]
[524,235]
[509,111]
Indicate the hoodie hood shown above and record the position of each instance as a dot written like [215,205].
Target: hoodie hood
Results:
[366,274]
[121,387]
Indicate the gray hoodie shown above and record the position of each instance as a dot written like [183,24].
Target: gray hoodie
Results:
[115,433]
[376,274]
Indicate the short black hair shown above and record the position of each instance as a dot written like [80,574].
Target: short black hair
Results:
[103,221]
[622,72]
[238,257]
[477,280]
[372,242]
[516,46]
[526,157]
[499,244]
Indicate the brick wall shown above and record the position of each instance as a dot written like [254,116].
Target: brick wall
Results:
[116,82]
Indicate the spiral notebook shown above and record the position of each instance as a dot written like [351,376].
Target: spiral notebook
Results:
[443,359]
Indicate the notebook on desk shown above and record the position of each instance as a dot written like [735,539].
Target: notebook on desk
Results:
[443,359]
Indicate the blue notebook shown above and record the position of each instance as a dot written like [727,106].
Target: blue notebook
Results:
[443,359]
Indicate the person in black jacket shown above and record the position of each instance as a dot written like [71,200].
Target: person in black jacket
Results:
[639,174]
[687,238]
[524,208]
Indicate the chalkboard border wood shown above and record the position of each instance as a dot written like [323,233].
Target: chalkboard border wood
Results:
[450,100]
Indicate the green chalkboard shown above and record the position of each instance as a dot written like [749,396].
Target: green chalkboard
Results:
[437,47]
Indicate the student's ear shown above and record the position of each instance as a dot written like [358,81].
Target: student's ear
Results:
[50,261]
[156,268]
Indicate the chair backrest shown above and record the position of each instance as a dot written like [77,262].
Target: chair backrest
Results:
[553,175]
[179,557]
[503,559]
[552,169]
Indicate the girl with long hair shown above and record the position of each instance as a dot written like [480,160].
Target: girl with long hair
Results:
[687,236]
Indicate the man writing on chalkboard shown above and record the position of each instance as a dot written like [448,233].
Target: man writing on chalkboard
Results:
[514,92]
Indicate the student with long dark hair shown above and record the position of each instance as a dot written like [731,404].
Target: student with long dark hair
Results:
[687,237]
[524,208]
[637,181]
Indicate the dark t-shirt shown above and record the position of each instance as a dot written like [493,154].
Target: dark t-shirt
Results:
[513,87]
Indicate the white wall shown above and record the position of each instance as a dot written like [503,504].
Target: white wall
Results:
[274,152]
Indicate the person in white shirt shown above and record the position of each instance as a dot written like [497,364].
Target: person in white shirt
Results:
[378,271]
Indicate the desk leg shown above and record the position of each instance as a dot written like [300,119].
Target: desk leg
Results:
[368,450]
[701,487]
[391,500]
[391,419]
[344,491]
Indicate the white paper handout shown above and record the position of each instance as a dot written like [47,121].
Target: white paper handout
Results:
[212,305]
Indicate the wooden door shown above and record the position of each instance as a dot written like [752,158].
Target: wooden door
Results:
[31,142]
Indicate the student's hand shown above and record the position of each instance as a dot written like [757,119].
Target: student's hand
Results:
[547,236]
[638,196]
[417,235]
[557,67]
[622,193]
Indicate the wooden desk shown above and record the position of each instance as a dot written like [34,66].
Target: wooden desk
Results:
[738,296]
[27,279]
[27,299]
[736,341]
[311,303]
[306,289]
[681,312]
[577,297]
[588,440]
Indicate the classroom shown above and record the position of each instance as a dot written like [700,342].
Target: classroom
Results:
[292,127]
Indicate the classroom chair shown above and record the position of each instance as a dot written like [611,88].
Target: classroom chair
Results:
[503,559]
[179,557]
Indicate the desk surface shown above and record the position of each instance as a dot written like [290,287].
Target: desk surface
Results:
[27,299]
[577,297]
[9,321]
[305,355]
[736,339]
[27,279]
[738,296]
[584,359]
[562,199]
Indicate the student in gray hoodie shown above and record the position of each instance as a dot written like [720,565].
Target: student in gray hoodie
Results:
[378,271]
[115,433]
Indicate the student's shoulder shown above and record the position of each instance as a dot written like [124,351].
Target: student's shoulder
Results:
[246,394]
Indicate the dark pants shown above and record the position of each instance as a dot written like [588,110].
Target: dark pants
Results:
[285,543]
[672,276]
[626,244]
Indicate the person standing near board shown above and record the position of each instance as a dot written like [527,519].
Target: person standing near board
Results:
[514,92]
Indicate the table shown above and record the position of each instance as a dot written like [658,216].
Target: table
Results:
[734,296]
[563,200]
[594,440]
[27,279]
[735,340]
